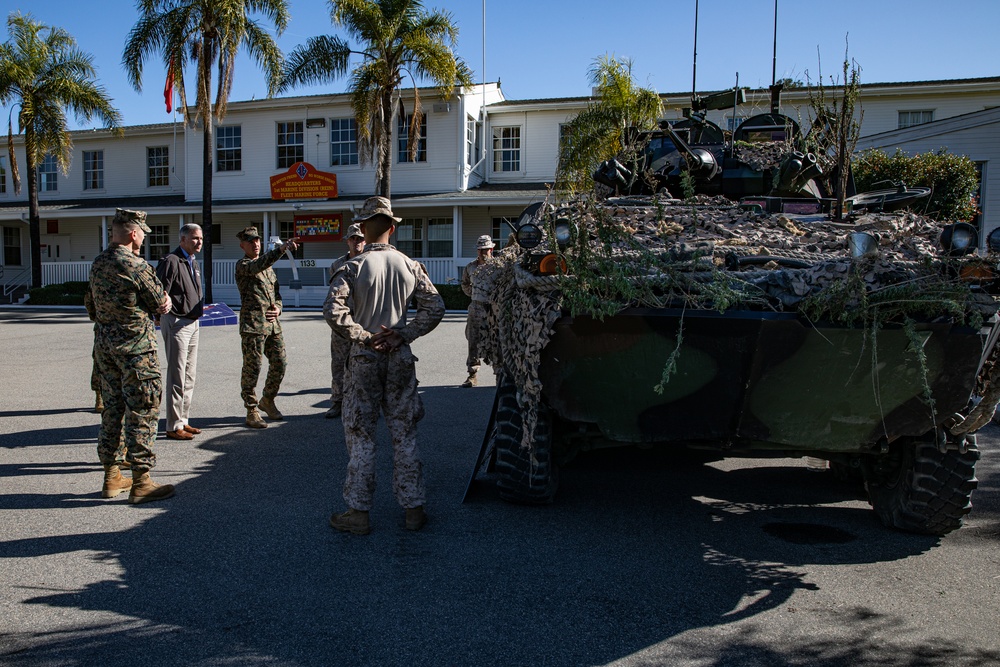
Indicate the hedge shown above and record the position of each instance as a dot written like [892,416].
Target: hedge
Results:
[954,179]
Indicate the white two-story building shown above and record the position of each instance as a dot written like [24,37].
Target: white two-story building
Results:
[481,160]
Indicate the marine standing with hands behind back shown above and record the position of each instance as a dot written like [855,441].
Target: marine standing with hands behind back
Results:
[367,305]
[123,297]
[181,279]
[339,346]
[260,330]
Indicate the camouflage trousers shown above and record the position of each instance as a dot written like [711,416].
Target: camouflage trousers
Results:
[339,349]
[95,376]
[474,325]
[377,382]
[131,391]
[255,347]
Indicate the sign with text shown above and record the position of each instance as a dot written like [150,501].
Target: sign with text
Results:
[303,181]
[319,227]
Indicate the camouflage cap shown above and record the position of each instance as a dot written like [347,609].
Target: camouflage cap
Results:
[138,218]
[375,206]
[248,234]
[484,242]
[354,230]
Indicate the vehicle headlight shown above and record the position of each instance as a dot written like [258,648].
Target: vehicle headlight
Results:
[529,235]
[959,239]
[861,244]
[565,231]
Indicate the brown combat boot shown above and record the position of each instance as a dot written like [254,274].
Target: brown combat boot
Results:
[416,518]
[254,420]
[267,405]
[99,403]
[351,521]
[114,483]
[145,490]
[470,381]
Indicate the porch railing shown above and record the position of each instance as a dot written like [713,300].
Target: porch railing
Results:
[313,273]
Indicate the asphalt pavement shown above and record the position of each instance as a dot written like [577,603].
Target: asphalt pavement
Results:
[638,562]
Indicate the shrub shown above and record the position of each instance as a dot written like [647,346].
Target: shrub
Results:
[953,178]
[454,297]
[64,294]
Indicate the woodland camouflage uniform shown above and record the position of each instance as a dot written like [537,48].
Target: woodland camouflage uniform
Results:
[122,299]
[258,286]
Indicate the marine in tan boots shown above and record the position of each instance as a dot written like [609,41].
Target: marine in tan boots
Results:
[123,296]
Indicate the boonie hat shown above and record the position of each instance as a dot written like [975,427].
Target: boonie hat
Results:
[248,234]
[354,230]
[375,206]
[484,242]
[123,215]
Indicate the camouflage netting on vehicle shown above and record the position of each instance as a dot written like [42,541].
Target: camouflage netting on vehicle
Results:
[711,254]
[763,155]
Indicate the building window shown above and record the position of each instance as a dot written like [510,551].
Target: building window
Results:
[3,175]
[343,141]
[503,227]
[291,144]
[11,246]
[229,148]
[157,166]
[286,230]
[473,138]
[417,237]
[439,237]
[158,241]
[410,237]
[93,170]
[911,118]
[506,149]
[403,136]
[47,174]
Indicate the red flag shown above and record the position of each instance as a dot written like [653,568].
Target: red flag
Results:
[168,87]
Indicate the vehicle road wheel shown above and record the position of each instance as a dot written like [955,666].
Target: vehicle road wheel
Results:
[525,477]
[919,489]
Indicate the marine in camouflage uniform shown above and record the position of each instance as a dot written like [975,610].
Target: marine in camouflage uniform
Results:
[339,347]
[260,330]
[367,305]
[123,297]
[478,308]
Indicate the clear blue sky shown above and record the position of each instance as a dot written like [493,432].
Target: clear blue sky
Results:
[543,48]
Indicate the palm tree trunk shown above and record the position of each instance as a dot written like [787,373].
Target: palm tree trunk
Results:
[34,218]
[206,203]
[385,146]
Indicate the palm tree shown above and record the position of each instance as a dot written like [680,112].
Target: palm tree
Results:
[207,34]
[398,39]
[603,130]
[44,73]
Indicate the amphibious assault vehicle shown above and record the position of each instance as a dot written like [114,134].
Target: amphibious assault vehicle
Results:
[745,329]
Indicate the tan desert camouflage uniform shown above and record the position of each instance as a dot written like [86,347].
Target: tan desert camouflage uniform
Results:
[123,297]
[476,320]
[372,289]
[258,286]
[339,349]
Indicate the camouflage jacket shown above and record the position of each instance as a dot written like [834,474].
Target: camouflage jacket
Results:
[374,289]
[122,300]
[258,288]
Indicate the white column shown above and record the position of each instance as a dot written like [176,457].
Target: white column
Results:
[456,232]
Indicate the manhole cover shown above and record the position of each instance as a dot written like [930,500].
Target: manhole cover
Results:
[808,533]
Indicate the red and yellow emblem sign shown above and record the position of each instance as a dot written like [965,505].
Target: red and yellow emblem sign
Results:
[303,181]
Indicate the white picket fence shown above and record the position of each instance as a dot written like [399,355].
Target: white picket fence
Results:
[442,270]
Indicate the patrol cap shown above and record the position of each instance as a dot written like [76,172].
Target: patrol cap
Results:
[354,230]
[484,242]
[248,234]
[375,206]
[124,216]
